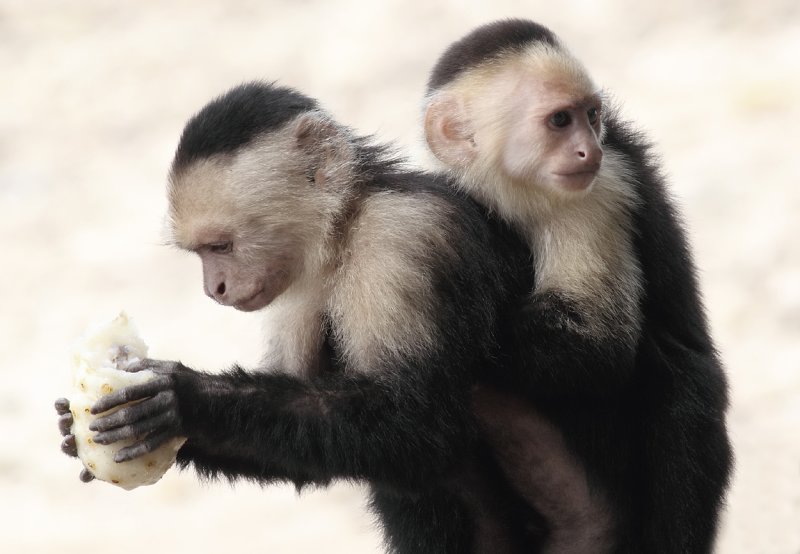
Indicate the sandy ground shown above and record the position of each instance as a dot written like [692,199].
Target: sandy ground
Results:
[93,96]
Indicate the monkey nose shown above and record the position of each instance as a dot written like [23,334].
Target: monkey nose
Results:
[216,291]
[591,156]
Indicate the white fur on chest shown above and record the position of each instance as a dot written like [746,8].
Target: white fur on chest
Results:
[583,248]
[294,329]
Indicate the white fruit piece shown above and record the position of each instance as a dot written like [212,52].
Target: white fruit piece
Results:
[98,363]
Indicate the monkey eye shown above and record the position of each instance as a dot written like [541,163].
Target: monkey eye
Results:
[593,114]
[560,119]
[221,247]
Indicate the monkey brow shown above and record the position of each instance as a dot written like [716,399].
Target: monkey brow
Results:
[589,100]
[583,102]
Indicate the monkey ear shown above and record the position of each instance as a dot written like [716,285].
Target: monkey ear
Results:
[312,129]
[326,144]
[448,133]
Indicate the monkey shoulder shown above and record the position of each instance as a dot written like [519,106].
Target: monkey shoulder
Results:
[418,274]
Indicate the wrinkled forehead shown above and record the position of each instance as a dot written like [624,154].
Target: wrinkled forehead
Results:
[200,197]
[557,69]
[223,191]
[541,68]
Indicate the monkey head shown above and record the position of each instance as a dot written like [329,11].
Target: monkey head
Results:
[258,179]
[525,111]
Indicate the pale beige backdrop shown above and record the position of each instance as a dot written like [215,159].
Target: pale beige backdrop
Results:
[93,96]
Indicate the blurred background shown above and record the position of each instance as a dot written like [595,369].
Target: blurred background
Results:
[94,94]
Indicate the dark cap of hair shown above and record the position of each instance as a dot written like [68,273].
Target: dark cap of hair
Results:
[485,43]
[235,118]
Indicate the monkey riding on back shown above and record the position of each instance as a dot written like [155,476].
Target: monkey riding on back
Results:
[613,346]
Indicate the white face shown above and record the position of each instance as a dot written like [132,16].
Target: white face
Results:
[537,125]
[259,219]
[242,226]
[249,218]
[553,139]
[246,262]
[247,282]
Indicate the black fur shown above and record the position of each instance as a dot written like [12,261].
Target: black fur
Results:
[679,381]
[647,424]
[232,120]
[484,43]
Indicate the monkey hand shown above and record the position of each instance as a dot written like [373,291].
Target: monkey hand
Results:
[68,445]
[148,412]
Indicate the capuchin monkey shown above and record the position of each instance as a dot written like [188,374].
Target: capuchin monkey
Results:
[387,295]
[613,348]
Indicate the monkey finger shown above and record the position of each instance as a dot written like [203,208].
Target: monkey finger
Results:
[62,406]
[69,447]
[147,409]
[65,423]
[86,476]
[141,365]
[141,448]
[129,394]
[158,366]
[161,423]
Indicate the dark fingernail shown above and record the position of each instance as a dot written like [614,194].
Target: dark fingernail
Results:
[65,423]
[86,476]
[69,447]
[100,438]
[62,405]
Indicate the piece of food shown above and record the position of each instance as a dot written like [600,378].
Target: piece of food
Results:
[98,363]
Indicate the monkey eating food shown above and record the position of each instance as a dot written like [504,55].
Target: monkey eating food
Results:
[386,294]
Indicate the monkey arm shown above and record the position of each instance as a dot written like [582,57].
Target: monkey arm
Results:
[400,427]
[395,429]
[684,420]
[688,453]
[679,373]
[554,357]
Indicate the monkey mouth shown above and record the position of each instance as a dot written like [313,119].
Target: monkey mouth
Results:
[577,180]
[591,170]
[253,303]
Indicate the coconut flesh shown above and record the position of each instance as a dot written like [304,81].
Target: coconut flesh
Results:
[98,362]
